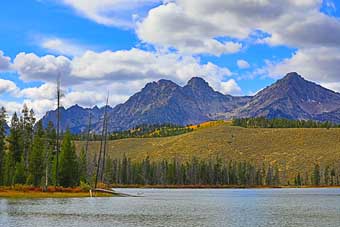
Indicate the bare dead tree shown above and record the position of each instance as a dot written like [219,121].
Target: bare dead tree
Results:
[101,141]
[58,131]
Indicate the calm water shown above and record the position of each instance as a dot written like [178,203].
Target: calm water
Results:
[182,207]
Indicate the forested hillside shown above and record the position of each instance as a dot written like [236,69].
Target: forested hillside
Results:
[294,151]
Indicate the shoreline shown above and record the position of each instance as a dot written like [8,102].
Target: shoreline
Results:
[27,192]
[45,195]
[37,193]
[215,187]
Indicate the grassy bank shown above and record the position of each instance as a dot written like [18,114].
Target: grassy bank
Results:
[219,186]
[52,192]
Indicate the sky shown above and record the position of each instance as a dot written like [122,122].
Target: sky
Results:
[239,47]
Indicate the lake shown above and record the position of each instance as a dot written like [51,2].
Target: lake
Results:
[181,207]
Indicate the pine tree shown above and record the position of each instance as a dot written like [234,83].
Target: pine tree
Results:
[83,165]
[269,176]
[50,148]
[36,162]
[19,175]
[316,175]
[15,139]
[8,169]
[276,177]
[27,122]
[68,163]
[108,173]
[2,141]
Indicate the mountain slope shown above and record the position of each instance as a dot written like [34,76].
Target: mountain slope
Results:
[166,102]
[294,150]
[75,118]
[292,97]
[157,103]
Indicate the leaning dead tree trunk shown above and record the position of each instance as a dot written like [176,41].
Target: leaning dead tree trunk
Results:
[104,148]
[101,142]
[87,141]
[58,132]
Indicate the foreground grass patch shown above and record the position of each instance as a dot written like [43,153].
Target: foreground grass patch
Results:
[52,192]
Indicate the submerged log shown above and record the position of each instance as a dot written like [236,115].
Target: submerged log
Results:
[109,191]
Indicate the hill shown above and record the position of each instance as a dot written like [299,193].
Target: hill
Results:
[294,150]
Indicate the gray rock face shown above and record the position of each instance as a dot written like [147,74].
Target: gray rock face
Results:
[292,97]
[158,102]
[163,101]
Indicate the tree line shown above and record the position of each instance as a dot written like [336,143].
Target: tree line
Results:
[262,122]
[211,172]
[28,153]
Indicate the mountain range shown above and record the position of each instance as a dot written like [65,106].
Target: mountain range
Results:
[164,101]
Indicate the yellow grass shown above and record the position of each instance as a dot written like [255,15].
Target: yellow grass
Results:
[28,195]
[294,150]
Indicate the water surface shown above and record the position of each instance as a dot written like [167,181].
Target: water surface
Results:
[181,207]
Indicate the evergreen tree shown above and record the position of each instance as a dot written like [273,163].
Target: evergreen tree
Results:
[269,176]
[27,122]
[276,177]
[316,175]
[15,139]
[8,169]
[2,141]
[19,175]
[83,165]
[36,164]
[68,163]
[108,173]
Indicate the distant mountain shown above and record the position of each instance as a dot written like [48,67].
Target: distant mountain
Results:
[166,102]
[75,118]
[158,102]
[163,101]
[292,97]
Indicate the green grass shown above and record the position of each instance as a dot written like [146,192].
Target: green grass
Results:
[294,150]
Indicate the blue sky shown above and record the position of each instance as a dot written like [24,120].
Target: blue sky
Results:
[118,45]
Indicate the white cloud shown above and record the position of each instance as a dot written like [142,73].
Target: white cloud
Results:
[62,46]
[40,106]
[87,78]
[136,64]
[45,91]
[194,25]
[170,26]
[11,107]
[242,64]
[119,13]
[114,66]
[7,86]
[47,68]
[231,87]
[4,62]
[321,65]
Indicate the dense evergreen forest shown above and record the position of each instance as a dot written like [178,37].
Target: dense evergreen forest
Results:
[28,155]
[211,172]
[262,122]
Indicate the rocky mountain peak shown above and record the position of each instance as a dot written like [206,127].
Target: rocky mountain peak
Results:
[198,82]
